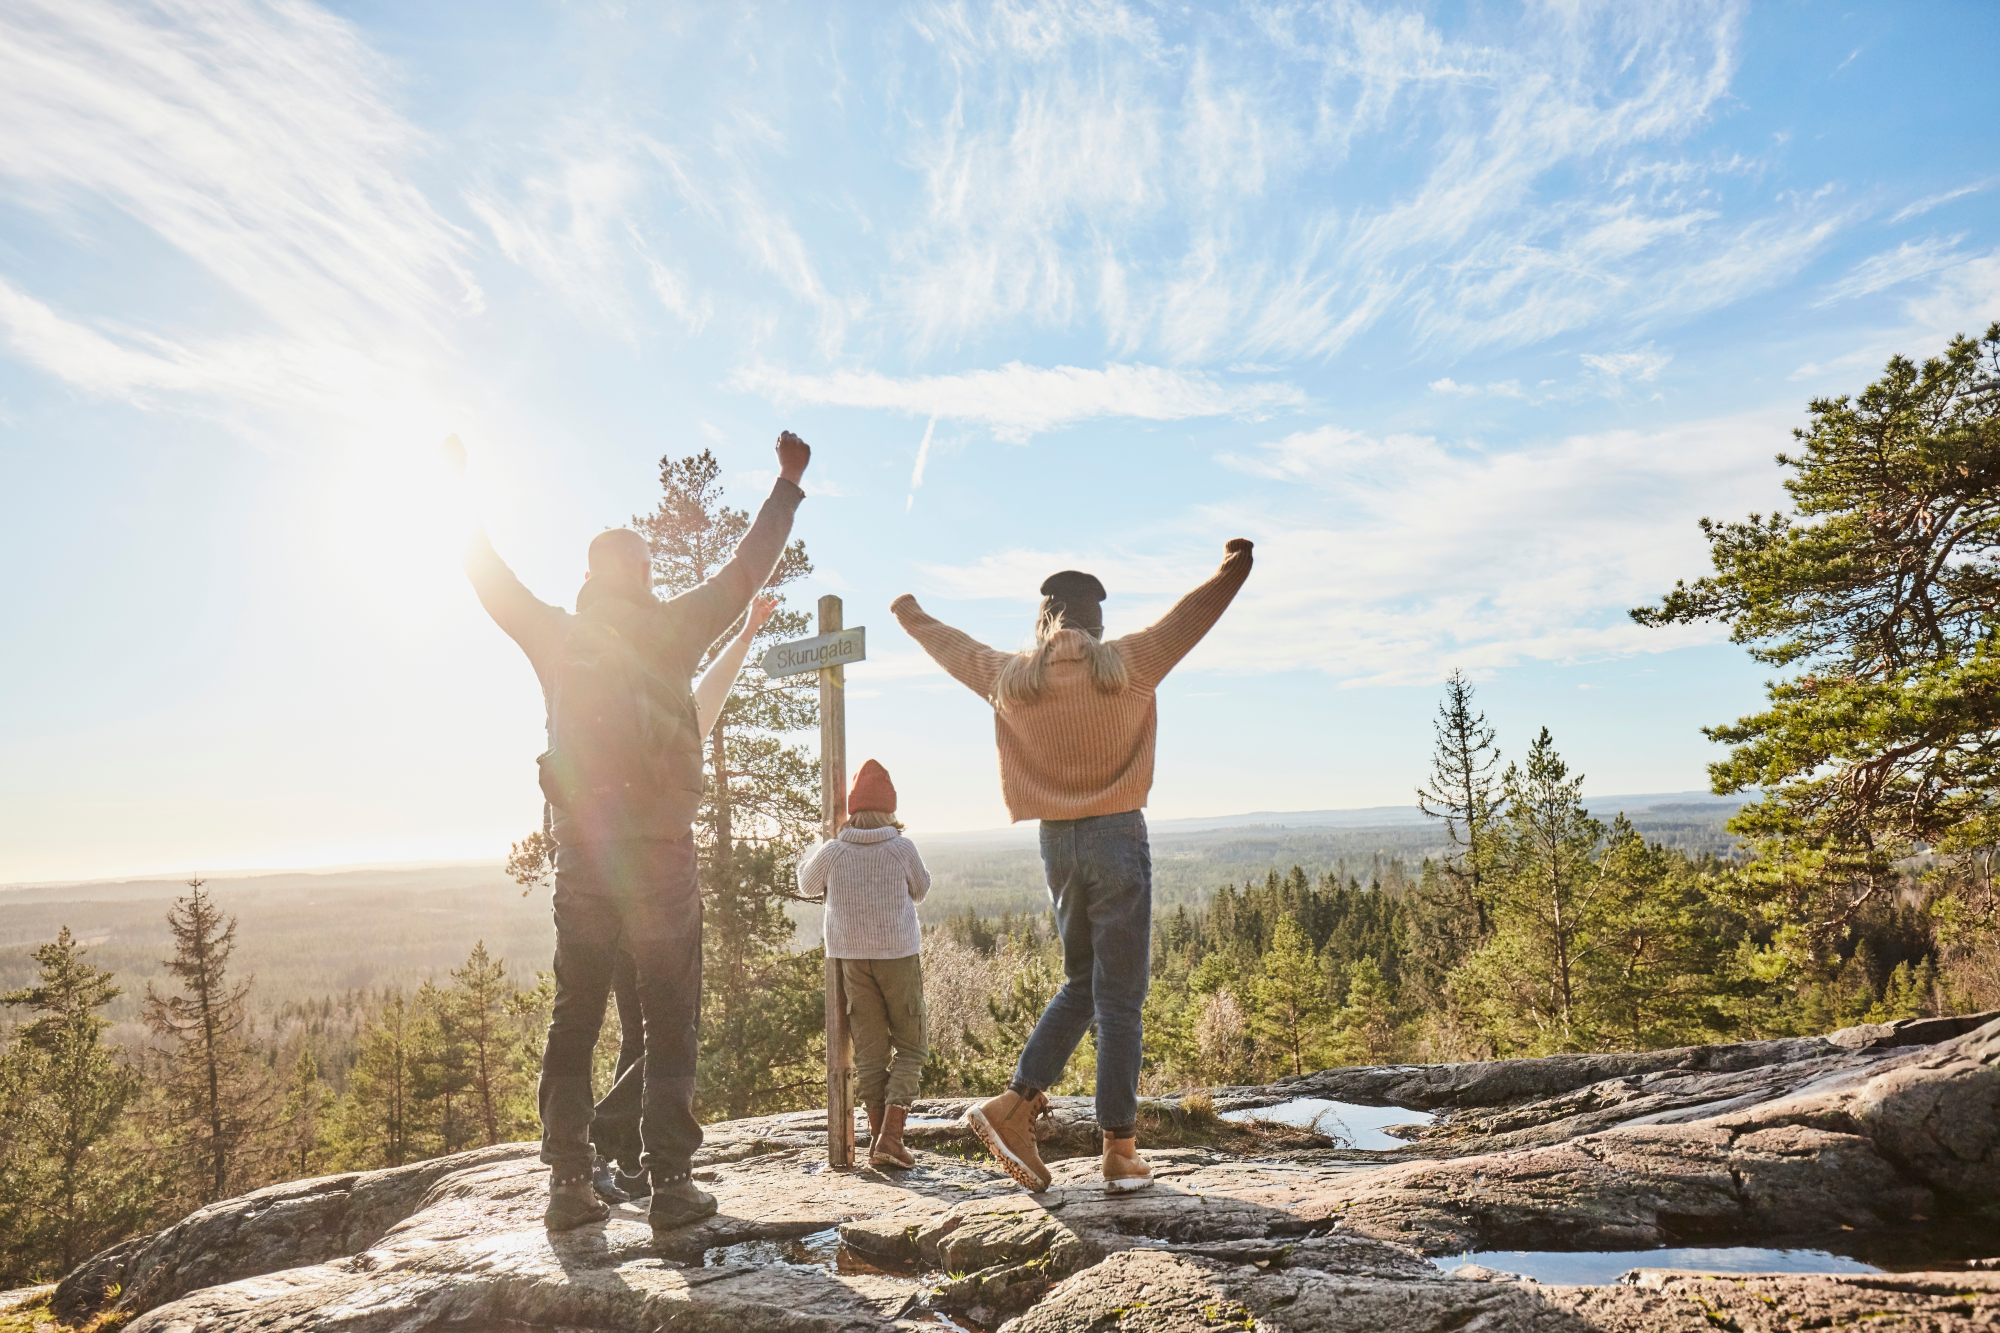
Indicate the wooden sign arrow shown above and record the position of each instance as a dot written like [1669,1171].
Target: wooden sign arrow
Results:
[840,648]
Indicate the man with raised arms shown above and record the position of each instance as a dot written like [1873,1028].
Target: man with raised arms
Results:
[623,779]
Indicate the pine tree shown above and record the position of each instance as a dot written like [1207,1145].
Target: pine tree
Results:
[758,788]
[66,1190]
[303,1119]
[441,1078]
[1880,592]
[531,862]
[378,1117]
[1528,981]
[1291,997]
[1663,973]
[212,1096]
[1367,1022]
[762,1032]
[481,995]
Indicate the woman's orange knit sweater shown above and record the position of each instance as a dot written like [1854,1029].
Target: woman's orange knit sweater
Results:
[1076,752]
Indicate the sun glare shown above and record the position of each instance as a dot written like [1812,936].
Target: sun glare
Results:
[394,524]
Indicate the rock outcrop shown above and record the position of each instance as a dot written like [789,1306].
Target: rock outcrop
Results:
[1746,1144]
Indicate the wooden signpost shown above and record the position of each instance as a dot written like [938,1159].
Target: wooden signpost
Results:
[828,654]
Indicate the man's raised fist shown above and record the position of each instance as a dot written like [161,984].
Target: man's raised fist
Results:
[793,455]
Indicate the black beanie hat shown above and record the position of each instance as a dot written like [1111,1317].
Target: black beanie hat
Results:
[1076,595]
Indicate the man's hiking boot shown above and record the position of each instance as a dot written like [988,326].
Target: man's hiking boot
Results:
[886,1148]
[634,1182]
[1124,1169]
[604,1182]
[678,1203]
[1006,1125]
[572,1201]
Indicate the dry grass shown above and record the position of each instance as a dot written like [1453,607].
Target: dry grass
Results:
[1192,1122]
[33,1315]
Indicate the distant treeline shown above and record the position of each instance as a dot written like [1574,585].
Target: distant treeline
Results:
[1260,980]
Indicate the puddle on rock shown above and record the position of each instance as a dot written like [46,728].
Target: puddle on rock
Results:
[1917,1247]
[1354,1126]
[1592,1268]
[819,1250]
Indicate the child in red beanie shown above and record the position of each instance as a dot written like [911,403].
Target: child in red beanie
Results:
[872,879]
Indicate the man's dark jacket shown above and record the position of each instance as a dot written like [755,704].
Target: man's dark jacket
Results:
[672,637]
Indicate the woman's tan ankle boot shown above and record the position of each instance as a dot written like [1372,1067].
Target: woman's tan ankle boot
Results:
[1006,1125]
[887,1148]
[1124,1169]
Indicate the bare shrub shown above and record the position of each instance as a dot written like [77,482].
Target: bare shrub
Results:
[1218,1037]
[958,980]
[1971,980]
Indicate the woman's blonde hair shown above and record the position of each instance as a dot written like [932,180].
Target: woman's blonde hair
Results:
[866,819]
[1026,674]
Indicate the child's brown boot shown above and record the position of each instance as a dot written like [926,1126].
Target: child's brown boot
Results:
[888,1149]
[874,1110]
[1124,1169]
[1006,1125]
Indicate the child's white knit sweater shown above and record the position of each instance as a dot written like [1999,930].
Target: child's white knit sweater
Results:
[873,880]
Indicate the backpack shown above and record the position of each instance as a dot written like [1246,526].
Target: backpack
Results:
[618,733]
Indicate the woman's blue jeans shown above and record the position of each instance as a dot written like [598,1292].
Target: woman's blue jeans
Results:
[1100,873]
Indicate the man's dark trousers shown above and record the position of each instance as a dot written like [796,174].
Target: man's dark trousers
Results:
[642,896]
[615,1130]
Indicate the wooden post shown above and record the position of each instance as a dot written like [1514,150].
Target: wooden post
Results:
[833,808]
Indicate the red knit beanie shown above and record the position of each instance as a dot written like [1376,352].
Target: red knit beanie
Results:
[872,790]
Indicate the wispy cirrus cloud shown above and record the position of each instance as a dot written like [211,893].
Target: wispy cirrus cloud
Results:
[255,142]
[1102,170]
[1928,202]
[1445,556]
[570,214]
[1642,364]
[1017,401]
[1912,259]
[1441,556]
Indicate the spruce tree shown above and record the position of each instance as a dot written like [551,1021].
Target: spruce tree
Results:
[211,1093]
[68,1186]
[1451,916]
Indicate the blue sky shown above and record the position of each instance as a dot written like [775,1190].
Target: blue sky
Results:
[1465,314]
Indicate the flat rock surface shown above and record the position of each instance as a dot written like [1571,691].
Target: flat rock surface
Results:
[1740,1145]
[1143,1291]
